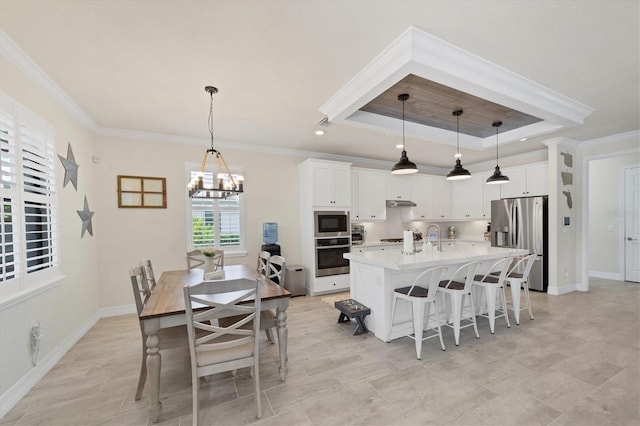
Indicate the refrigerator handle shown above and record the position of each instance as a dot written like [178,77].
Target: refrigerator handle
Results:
[537,228]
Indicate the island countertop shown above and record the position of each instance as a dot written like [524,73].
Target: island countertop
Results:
[374,275]
[394,259]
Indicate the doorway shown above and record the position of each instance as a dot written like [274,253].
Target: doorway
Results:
[632,223]
[612,187]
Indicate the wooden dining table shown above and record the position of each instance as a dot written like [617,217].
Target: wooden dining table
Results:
[165,308]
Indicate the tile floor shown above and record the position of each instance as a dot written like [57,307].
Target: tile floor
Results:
[577,363]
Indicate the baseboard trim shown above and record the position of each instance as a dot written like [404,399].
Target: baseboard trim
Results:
[15,393]
[615,276]
[115,311]
[559,291]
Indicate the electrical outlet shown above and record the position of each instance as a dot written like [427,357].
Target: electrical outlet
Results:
[34,339]
[566,273]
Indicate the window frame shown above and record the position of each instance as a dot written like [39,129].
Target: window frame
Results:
[229,251]
[25,284]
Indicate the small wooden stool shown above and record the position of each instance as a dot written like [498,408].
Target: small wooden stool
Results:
[353,309]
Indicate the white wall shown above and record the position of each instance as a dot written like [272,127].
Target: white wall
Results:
[66,309]
[626,144]
[271,195]
[606,222]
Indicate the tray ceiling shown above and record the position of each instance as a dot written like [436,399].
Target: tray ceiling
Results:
[441,77]
[432,104]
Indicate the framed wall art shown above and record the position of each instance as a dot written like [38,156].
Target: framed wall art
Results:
[142,192]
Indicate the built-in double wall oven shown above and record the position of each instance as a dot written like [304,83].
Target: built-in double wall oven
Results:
[332,240]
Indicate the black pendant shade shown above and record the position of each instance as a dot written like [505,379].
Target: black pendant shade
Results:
[497,177]
[404,166]
[458,172]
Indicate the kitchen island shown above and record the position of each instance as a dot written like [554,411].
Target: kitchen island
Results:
[374,275]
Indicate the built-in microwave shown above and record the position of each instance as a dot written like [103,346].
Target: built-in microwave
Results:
[331,224]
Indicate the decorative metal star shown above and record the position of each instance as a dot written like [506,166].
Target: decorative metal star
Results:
[86,216]
[70,168]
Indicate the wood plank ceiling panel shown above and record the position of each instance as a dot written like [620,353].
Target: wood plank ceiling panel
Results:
[432,104]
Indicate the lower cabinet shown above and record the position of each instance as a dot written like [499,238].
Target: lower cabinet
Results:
[330,284]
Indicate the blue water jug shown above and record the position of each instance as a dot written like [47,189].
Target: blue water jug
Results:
[270,232]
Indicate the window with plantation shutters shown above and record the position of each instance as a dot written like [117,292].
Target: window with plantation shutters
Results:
[216,223]
[28,228]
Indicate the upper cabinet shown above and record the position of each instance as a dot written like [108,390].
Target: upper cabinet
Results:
[398,187]
[370,196]
[422,195]
[526,181]
[441,198]
[489,193]
[330,182]
[467,198]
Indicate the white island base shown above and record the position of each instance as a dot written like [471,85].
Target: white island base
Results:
[375,275]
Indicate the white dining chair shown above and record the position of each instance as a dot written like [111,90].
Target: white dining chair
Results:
[276,272]
[223,347]
[170,337]
[263,262]
[195,259]
[147,270]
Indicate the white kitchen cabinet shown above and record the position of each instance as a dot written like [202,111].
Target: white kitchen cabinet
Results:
[330,284]
[526,181]
[441,199]
[422,195]
[538,180]
[324,185]
[489,193]
[355,208]
[371,195]
[331,185]
[398,187]
[467,198]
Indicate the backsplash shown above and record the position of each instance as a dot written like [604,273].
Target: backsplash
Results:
[393,228]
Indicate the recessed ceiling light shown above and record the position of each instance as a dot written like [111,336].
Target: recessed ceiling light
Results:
[320,132]
[523,139]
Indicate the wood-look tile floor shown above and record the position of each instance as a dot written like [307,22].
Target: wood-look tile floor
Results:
[577,363]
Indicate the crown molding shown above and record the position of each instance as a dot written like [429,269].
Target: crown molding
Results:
[562,141]
[424,55]
[23,62]
[610,139]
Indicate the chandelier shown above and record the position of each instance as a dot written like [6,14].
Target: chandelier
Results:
[225,184]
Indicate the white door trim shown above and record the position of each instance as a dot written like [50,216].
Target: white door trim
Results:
[583,284]
[625,207]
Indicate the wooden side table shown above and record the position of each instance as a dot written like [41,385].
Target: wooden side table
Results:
[353,309]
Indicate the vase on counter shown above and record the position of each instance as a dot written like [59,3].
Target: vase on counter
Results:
[209,264]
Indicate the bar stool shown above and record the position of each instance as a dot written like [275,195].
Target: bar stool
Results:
[419,297]
[456,291]
[517,281]
[493,286]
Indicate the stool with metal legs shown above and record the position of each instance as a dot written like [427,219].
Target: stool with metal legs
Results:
[457,287]
[517,278]
[421,294]
[493,286]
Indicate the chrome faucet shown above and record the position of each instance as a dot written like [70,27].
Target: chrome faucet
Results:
[439,236]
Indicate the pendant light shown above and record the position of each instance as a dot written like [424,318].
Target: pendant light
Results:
[227,185]
[458,172]
[404,166]
[497,177]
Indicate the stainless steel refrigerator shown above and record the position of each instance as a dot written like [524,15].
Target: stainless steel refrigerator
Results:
[523,223]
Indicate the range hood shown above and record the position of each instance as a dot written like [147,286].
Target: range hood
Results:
[400,203]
